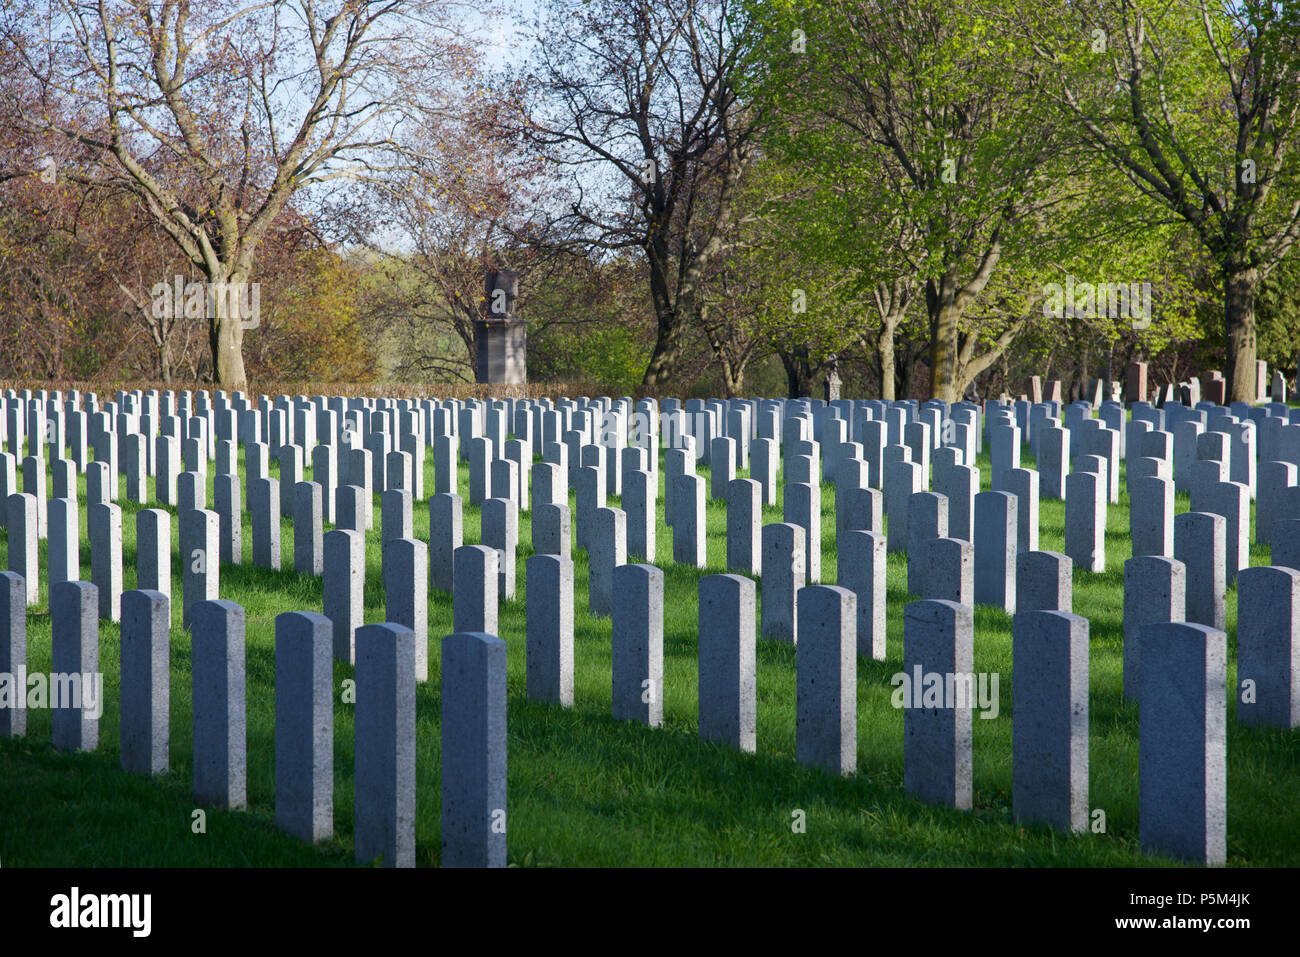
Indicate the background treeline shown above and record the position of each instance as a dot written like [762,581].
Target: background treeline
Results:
[701,197]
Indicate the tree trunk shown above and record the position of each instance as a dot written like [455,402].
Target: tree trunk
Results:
[943,352]
[798,373]
[165,362]
[226,334]
[941,304]
[668,349]
[885,351]
[1240,285]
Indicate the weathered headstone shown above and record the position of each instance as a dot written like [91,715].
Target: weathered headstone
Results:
[304,725]
[104,524]
[937,642]
[1199,539]
[474,589]
[1155,592]
[1268,647]
[76,685]
[145,694]
[384,778]
[218,669]
[445,536]
[1049,780]
[783,576]
[995,550]
[473,749]
[343,584]
[1182,759]
[549,624]
[826,667]
[406,594]
[13,652]
[861,564]
[727,671]
[638,628]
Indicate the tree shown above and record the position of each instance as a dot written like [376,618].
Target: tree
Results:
[636,101]
[216,114]
[1195,103]
[954,140]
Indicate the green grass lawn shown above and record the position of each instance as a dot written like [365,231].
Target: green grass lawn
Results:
[585,789]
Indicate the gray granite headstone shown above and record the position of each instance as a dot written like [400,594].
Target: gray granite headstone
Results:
[1053,461]
[1085,520]
[343,585]
[689,546]
[308,514]
[638,644]
[1268,647]
[384,779]
[727,690]
[938,642]
[946,570]
[1151,515]
[396,514]
[304,725]
[995,550]
[1023,484]
[1182,754]
[264,506]
[406,594]
[802,506]
[200,560]
[549,625]
[104,524]
[500,526]
[783,576]
[474,589]
[445,536]
[64,550]
[1199,544]
[639,489]
[1049,779]
[1155,591]
[76,684]
[1232,501]
[13,651]
[1044,581]
[226,503]
[552,530]
[1273,481]
[473,750]
[861,564]
[145,694]
[826,665]
[607,549]
[220,742]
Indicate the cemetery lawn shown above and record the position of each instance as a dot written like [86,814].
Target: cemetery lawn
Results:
[586,790]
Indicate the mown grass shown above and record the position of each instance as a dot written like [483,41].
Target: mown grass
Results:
[585,789]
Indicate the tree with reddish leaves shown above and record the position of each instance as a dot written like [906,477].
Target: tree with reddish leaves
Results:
[215,115]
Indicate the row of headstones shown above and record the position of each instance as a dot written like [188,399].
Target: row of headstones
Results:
[1182,686]
[493,576]
[508,478]
[1152,525]
[1003,523]
[473,716]
[1135,385]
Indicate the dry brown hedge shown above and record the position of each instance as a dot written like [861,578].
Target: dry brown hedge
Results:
[389,390]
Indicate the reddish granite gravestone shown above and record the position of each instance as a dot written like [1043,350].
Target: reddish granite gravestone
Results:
[1135,382]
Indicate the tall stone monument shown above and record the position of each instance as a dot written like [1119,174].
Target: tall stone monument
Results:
[500,338]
